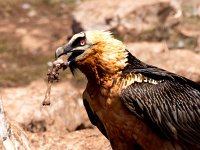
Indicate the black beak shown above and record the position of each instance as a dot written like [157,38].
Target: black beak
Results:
[62,51]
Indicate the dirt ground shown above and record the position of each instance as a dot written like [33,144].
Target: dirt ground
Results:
[30,33]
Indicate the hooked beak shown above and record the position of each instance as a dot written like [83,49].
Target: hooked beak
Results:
[62,51]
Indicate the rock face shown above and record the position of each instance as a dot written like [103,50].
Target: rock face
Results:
[126,18]
[65,112]
[12,137]
[87,139]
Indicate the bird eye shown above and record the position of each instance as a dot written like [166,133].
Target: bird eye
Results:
[82,42]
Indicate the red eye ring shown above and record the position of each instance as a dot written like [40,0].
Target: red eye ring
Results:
[82,42]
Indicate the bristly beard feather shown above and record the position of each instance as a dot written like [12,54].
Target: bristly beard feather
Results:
[72,63]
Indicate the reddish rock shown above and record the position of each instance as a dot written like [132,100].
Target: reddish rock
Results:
[87,139]
[127,18]
[66,112]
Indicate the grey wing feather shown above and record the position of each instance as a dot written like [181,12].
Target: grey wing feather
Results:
[171,109]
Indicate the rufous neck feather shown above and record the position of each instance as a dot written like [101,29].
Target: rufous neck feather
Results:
[106,57]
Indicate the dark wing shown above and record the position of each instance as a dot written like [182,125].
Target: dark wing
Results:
[94,118]
[171,108]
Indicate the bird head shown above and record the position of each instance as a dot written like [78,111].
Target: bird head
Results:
[95,53]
